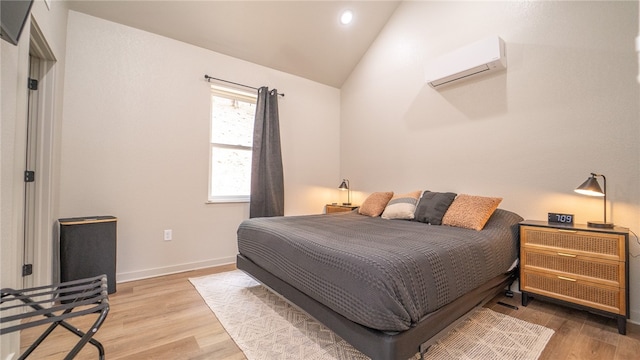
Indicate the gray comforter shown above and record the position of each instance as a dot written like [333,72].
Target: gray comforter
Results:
[383,274]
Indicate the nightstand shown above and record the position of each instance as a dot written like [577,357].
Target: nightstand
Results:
[578,266]
[335,208]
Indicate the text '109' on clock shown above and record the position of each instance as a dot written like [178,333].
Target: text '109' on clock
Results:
[557,218]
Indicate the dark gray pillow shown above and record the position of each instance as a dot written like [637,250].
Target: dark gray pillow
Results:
[432,206]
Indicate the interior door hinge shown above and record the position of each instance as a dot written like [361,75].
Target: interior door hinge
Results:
[33,84]
[29,176]
[27,269]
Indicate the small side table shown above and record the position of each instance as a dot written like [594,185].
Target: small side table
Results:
[336,208]
[576,265]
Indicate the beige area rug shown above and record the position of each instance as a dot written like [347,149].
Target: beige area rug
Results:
[266,327]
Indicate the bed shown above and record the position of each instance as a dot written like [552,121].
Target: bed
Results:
[387,287]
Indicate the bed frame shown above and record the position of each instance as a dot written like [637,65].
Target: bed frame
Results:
[376,344]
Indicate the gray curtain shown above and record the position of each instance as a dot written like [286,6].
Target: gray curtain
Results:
[267,183]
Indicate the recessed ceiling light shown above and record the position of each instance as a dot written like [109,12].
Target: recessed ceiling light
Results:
[346,17]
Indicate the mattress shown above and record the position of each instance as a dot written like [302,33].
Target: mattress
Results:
[382,274]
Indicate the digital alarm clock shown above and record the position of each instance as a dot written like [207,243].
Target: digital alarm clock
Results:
[557,218]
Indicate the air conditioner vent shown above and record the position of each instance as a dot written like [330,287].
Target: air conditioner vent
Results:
[481,57]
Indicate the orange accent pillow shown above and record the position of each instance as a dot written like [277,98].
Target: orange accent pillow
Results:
[470,212]
[375,203]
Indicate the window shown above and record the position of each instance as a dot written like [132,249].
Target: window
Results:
[232,117]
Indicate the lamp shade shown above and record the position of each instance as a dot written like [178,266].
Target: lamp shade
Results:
[590,187]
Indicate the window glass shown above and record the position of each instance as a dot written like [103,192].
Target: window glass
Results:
[232,121]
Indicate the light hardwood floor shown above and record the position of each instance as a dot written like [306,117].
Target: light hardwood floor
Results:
[165,318]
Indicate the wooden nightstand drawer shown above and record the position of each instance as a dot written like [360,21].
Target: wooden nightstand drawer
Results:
[601,271]
[333,208]
[578,242]
[574,290]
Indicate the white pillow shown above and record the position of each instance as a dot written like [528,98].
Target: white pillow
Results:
[402,206]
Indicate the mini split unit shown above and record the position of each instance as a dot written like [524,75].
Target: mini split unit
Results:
[482,57]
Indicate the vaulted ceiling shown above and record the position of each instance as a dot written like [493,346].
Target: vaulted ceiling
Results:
[303,38]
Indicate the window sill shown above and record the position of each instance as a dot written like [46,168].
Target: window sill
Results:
[228,200]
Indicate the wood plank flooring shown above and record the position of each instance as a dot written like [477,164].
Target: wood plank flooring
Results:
[165,318]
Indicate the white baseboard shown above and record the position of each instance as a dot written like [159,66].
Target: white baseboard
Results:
[173,269]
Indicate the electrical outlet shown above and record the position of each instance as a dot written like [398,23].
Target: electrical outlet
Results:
[168,235]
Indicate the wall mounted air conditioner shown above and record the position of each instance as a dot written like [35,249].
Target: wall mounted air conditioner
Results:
[481,57]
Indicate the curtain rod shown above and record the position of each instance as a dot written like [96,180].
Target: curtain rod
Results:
[209,78]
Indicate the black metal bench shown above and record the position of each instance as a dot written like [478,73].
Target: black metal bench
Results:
[54,305]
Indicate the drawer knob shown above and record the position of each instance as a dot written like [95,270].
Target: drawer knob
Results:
[566,278]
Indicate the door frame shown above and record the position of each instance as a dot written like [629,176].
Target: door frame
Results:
[39,247]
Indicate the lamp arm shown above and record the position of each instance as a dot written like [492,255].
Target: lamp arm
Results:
[605,197]
[604,178]
[349,192]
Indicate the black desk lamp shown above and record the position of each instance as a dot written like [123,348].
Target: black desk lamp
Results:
[591,187]
[345,186]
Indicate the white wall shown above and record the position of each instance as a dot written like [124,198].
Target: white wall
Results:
[566,106]
[135,144]
[13,96]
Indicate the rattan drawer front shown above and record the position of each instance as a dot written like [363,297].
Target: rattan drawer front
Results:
[330,208]
[591,269]
[576,291]
[598,244]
